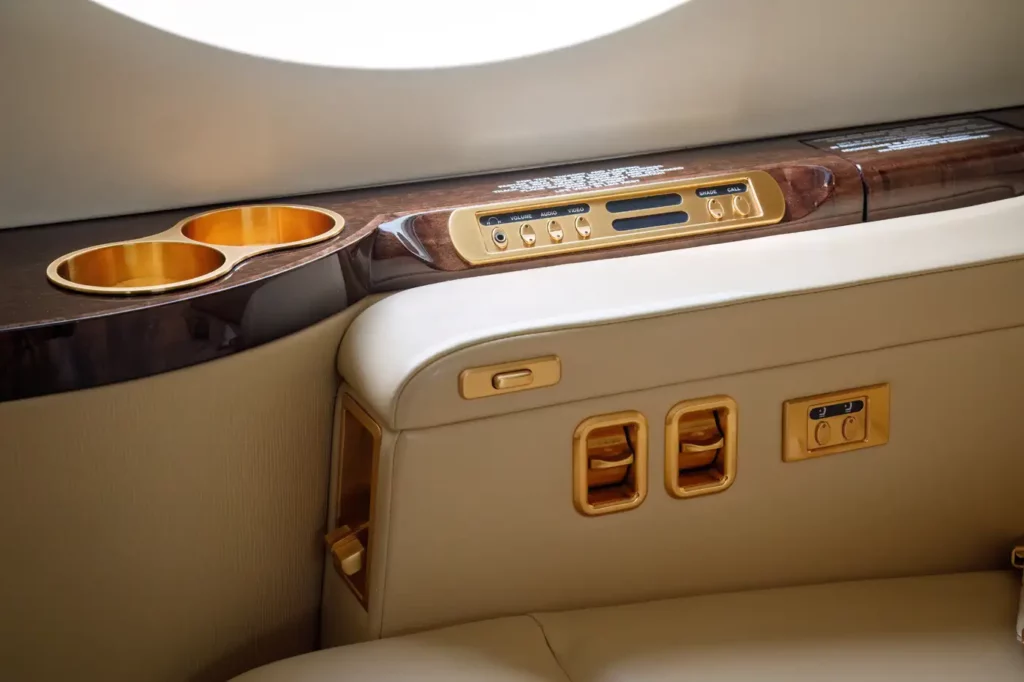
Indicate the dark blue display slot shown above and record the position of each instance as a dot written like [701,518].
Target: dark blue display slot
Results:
[641,203]
[839,408]
[719,190]
[656,220]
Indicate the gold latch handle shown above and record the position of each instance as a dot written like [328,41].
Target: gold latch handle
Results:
[702,447]
[347,552]
[625,460]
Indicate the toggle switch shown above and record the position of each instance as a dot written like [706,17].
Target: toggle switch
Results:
[528,235]
[555,231]
[741,205]
[504,381]
[610,463]
[509,377]
[582,227]
[715,208]
[700,446]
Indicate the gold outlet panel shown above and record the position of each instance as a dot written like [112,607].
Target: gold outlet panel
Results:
[831,423]
[509,377]
[700,446]
[608,218]
[609,463]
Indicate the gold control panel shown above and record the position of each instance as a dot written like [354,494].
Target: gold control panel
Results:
[835,422]
[608,218]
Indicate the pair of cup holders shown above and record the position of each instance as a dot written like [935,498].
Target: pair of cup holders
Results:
[197,250]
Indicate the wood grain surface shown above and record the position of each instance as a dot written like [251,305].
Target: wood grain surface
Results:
[954,162]
[395,237]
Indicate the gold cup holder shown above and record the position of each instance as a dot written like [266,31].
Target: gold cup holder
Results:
[139,266]
[261,226]
[197,250]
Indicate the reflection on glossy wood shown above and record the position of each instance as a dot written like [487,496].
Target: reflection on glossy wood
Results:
[397,237]
[955,162]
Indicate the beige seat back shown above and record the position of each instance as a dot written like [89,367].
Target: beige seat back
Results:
[472,513]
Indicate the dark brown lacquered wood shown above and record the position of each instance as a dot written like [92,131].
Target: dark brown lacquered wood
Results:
[944,164]
[53,340]
[1013,116]
[821,190]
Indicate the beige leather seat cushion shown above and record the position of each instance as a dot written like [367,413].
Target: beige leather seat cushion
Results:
[951,627]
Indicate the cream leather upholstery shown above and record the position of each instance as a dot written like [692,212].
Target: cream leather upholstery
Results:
[168,529]
[474,512]
[504,650]
[845,290]
[949,628]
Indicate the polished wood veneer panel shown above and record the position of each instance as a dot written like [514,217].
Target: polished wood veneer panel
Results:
[396,237]
[932,165]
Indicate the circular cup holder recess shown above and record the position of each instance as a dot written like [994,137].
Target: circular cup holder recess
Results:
[137,267]
[262,226]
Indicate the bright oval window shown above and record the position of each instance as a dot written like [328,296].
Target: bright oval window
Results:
[390,34]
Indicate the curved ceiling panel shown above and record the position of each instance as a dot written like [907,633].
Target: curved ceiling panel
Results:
[104,115]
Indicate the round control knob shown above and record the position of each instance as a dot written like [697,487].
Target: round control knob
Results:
[741,205]
[822,433]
